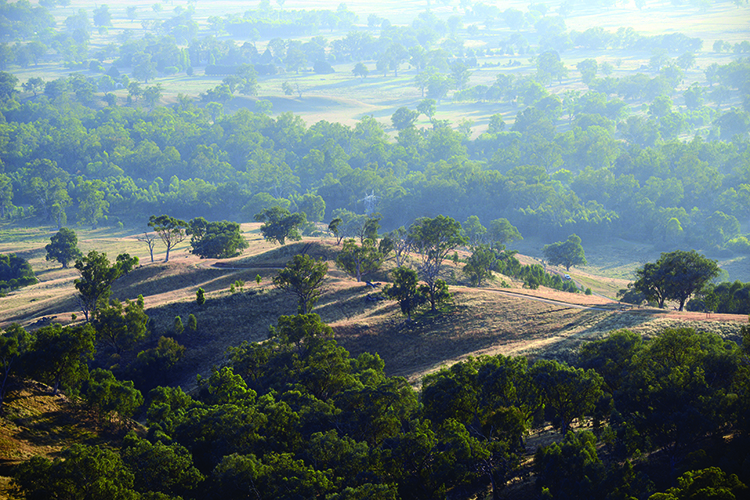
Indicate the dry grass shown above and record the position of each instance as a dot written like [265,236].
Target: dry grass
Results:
[482,321]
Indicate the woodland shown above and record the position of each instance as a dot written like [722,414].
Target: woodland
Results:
[178,122]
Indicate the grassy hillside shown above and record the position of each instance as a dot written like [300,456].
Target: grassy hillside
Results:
[489,320]
[486,321]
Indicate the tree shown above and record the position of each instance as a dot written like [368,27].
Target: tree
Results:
[312,205]
[711,483]
[549,66]
[217,240]
[571,468]
[588,69]
[34,85]
[404,118]
[502,232]
[8,83]
[567,392]
[427,107]
[398,242]
[303,276]
[280,224]
[480,265]
[152,94]
[167,468]
[360,70]
[91,203]
[6,196]
[63,247]
[334,228]
[143,67]
[434,239]
[82,471]
[14,343]
[359,260]
[102,17]
[171,231]
[404,290]
[97,275]
[474,231]
[150,240]
[109,396]
[60,355]
[121,327]
[676,275]
[567,253]
[15,272]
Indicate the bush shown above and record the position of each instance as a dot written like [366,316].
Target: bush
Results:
[178,326]
[200,297]
[192,323]
[323,68]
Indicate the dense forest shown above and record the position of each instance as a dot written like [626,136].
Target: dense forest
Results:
[638,155]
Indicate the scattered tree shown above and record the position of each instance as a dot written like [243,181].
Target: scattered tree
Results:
[60,355]
[280,224]
[405,290]
[97,275]
[303,276]
[434,239]
[359,260]
[217,240]
[676,276]
[567,253]
[171,231]
[63,247]
[121,326]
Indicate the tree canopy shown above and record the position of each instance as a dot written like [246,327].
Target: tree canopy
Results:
[566,253]
[675,276]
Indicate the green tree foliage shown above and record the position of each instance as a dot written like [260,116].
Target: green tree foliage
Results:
[217,240]
[92,206]
[14,343]
[63,247]
[405,290]
[60,355]
[359,261]
[192,324]
[122,326]
[677,387]
[178,326]
[570,469]
[111,398]
[434,239]
[279,224]
[81,472]
[568,393]
[200,297]
[15,272]
[312,205]
[154,366]
[404,118]
[480,265]
[675,276]
[502,232]
[97,275]
[709,484]
[303,277]
[160,467]
[567,253]
[171,231]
